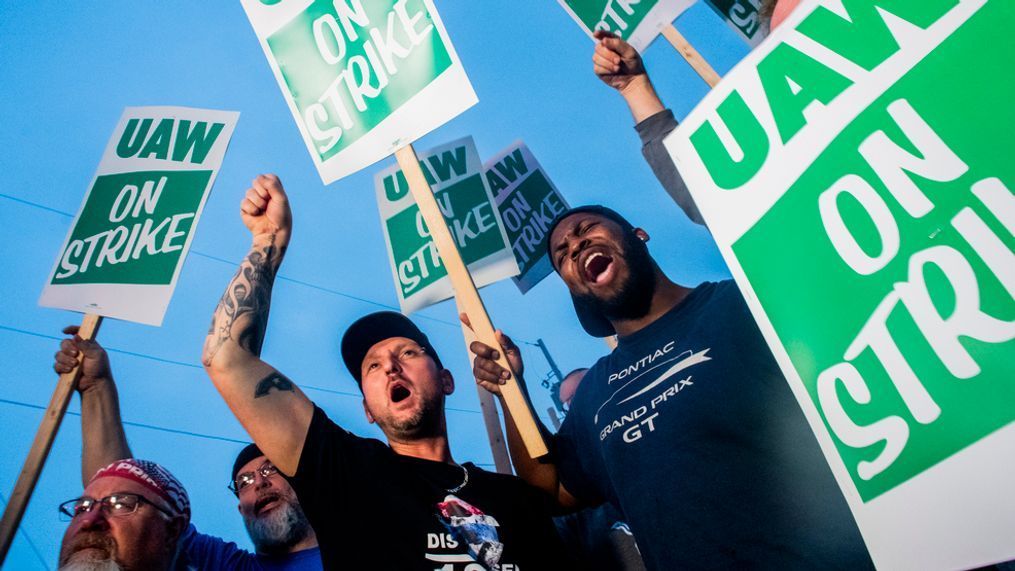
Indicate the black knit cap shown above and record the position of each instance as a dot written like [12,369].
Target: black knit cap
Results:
[372,329]
[249,452]
[593,322]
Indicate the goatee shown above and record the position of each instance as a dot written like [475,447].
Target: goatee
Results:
[279,530]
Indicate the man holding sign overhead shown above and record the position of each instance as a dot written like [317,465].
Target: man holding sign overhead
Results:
[404,505]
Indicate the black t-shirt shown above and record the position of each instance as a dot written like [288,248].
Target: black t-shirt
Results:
[690,428]
[375,509]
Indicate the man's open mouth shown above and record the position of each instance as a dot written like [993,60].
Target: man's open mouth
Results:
[399,392]
[596,267]
[266,501]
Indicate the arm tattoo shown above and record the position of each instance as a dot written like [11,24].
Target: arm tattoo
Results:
[242,312]
[274,380]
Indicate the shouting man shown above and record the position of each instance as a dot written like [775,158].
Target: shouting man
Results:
[404,505]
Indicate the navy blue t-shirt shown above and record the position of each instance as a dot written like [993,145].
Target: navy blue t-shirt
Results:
[206,552]
[691,430]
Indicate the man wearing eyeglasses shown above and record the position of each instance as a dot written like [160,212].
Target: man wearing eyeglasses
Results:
[280,532]
[404,505]
[131,516]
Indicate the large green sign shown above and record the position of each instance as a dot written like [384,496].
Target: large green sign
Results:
[361,78]
[637,21]
[130,237]
[862,195]
[455,175]
[528,202]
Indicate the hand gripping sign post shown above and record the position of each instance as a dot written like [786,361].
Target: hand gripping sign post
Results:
[639,22]
[126,247]
[845,141]
[363,80]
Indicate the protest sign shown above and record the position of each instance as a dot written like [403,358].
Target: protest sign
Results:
[636,21]
[362,79]
[861,195]
[528,202]
[743,17]
[456,178]
[127,244]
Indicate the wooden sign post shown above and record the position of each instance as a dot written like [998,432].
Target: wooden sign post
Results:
[468,298]
[501,458]
[48,428]
[691,55]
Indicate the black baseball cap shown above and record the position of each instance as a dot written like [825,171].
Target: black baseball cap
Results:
[249,452]
[372,329]
[593,322]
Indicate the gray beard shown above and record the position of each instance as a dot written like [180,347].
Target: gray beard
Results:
[278,531]
[104,565]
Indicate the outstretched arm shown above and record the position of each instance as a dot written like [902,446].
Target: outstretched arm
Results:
[270,407]
[618,65]
[102,438]
[540,473]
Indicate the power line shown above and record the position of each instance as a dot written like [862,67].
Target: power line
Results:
[233,263]
[196,366]
[136,424]
[24,534]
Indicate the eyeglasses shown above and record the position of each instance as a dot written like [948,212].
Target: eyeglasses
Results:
[116,505]
[247,478]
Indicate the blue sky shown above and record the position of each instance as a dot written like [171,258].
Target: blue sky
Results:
[68,72]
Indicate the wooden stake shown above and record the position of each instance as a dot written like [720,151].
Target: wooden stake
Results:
[501,458]
[468,296]
[50,424]
[690,54]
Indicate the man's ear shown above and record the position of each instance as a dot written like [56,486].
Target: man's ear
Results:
[642,234]
[175,528]
[447,382]
[370,417]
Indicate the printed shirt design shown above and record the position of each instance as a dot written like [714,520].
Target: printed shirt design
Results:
[630,383]
[469,525]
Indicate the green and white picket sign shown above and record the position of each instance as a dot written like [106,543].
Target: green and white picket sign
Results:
[856,171]
[362,78]
[636,21]
[124,251]
[743,17]
[456,177]
[528,202]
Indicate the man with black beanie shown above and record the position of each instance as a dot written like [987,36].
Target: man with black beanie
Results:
[402,505]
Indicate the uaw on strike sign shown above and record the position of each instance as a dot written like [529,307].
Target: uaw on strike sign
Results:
[124,252]
[361,77]
[857,173]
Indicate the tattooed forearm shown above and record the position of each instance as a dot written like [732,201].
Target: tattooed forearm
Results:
[274,380]
[242,312]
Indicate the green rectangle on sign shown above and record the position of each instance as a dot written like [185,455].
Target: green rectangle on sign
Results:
[472,222]
[617,16]
[527,215]
[133,228]
[347,70]
[897,311]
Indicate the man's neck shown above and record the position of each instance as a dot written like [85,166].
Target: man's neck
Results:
[308,542]
[435,448]
[667,295]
